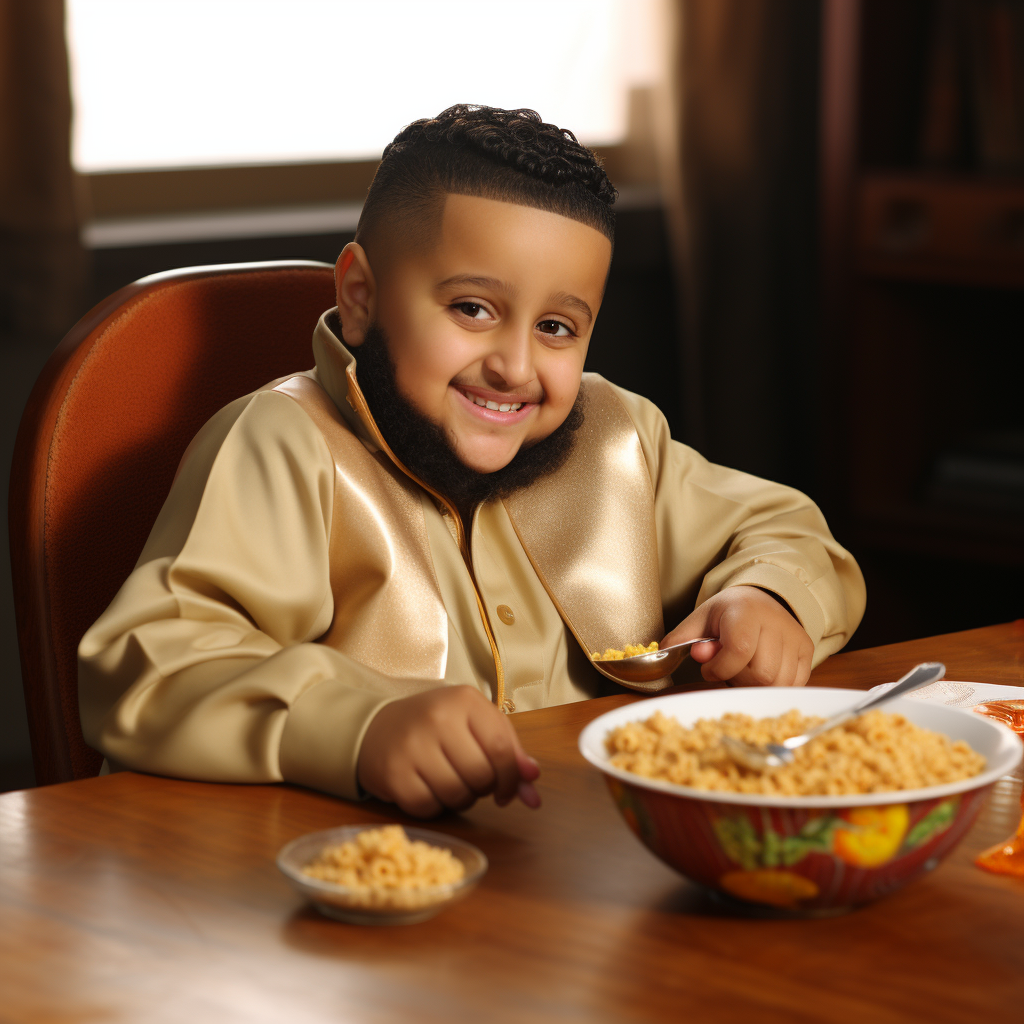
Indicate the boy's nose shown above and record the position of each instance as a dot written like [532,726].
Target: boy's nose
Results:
[511,358]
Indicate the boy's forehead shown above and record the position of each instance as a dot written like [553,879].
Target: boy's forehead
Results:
[472,229]
[459,211]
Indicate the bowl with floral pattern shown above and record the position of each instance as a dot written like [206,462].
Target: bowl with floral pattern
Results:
[801,855]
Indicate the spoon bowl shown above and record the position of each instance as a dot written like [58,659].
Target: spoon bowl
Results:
[646,668]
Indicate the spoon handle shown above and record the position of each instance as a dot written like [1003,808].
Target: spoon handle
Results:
[920,675]
[685,643]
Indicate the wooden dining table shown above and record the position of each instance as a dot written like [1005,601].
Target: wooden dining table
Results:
[142,899]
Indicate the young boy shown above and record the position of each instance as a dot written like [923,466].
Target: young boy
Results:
[359,568]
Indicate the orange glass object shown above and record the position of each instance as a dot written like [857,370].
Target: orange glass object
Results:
[1005,858]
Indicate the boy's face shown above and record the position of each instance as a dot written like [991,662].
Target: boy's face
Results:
[488,329]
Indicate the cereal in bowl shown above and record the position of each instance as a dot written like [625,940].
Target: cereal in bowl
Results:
[877,752]
[382,867]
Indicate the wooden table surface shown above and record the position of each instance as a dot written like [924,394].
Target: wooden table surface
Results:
[140,899]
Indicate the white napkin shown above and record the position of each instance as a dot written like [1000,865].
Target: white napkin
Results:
[960,695]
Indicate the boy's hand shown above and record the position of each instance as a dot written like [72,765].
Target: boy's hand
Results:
[443,749]
[761,643]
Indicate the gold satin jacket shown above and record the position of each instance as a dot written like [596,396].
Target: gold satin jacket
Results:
[297,580]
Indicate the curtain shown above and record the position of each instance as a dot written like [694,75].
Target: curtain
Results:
[738,157]
[42,263]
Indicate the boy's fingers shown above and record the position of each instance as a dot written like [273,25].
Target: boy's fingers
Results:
[514,768]
[787,669]
[415,797]
[527,792]
[529,771]
[803,669]
[739,644]
[528,767]
[702,653]
[499,743]
[444,781]
[471,763]
[768,665]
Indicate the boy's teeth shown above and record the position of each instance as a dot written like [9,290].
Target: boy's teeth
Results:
[504,407]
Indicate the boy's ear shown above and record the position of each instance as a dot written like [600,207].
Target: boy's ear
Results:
[355,290]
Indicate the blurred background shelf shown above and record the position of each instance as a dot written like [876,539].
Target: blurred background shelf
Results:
[923,304]
[954,230]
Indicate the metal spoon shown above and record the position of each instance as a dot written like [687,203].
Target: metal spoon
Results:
[775,755]
[645,668]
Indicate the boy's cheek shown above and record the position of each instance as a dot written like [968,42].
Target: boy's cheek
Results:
[561,388]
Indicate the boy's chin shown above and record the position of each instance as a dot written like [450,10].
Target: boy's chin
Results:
[484,459]
[488,468]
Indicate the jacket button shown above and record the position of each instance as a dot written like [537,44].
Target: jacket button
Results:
[506,614]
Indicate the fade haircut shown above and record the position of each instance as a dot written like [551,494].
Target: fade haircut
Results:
[509,155]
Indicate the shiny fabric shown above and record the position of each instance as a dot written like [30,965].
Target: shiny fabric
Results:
[602,575]
[388,612]
[590,534]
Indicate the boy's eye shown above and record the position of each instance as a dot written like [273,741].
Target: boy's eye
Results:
[555,328]
[471,309]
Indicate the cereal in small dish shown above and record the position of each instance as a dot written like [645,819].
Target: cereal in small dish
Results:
[364,874]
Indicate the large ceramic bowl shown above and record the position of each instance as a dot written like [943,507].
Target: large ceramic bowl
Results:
[804,855]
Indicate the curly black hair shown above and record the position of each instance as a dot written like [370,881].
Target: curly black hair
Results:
[509,155]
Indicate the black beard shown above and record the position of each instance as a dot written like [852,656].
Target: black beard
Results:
[425,450]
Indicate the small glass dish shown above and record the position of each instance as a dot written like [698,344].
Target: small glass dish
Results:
[357,907]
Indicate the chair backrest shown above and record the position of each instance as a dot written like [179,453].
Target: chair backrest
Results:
[100,440]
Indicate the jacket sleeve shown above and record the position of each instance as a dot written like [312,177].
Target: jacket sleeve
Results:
[204,665]
[719,528]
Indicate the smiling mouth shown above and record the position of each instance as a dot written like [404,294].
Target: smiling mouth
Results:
[493,406]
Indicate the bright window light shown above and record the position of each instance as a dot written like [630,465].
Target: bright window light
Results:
[174,83]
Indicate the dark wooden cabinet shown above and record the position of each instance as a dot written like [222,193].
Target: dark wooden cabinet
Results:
[922,447]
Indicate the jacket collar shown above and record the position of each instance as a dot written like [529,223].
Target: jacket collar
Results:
[336,372]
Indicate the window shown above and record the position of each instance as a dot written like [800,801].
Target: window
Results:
[193,83]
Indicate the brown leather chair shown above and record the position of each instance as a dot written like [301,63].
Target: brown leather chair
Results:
[99,443]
